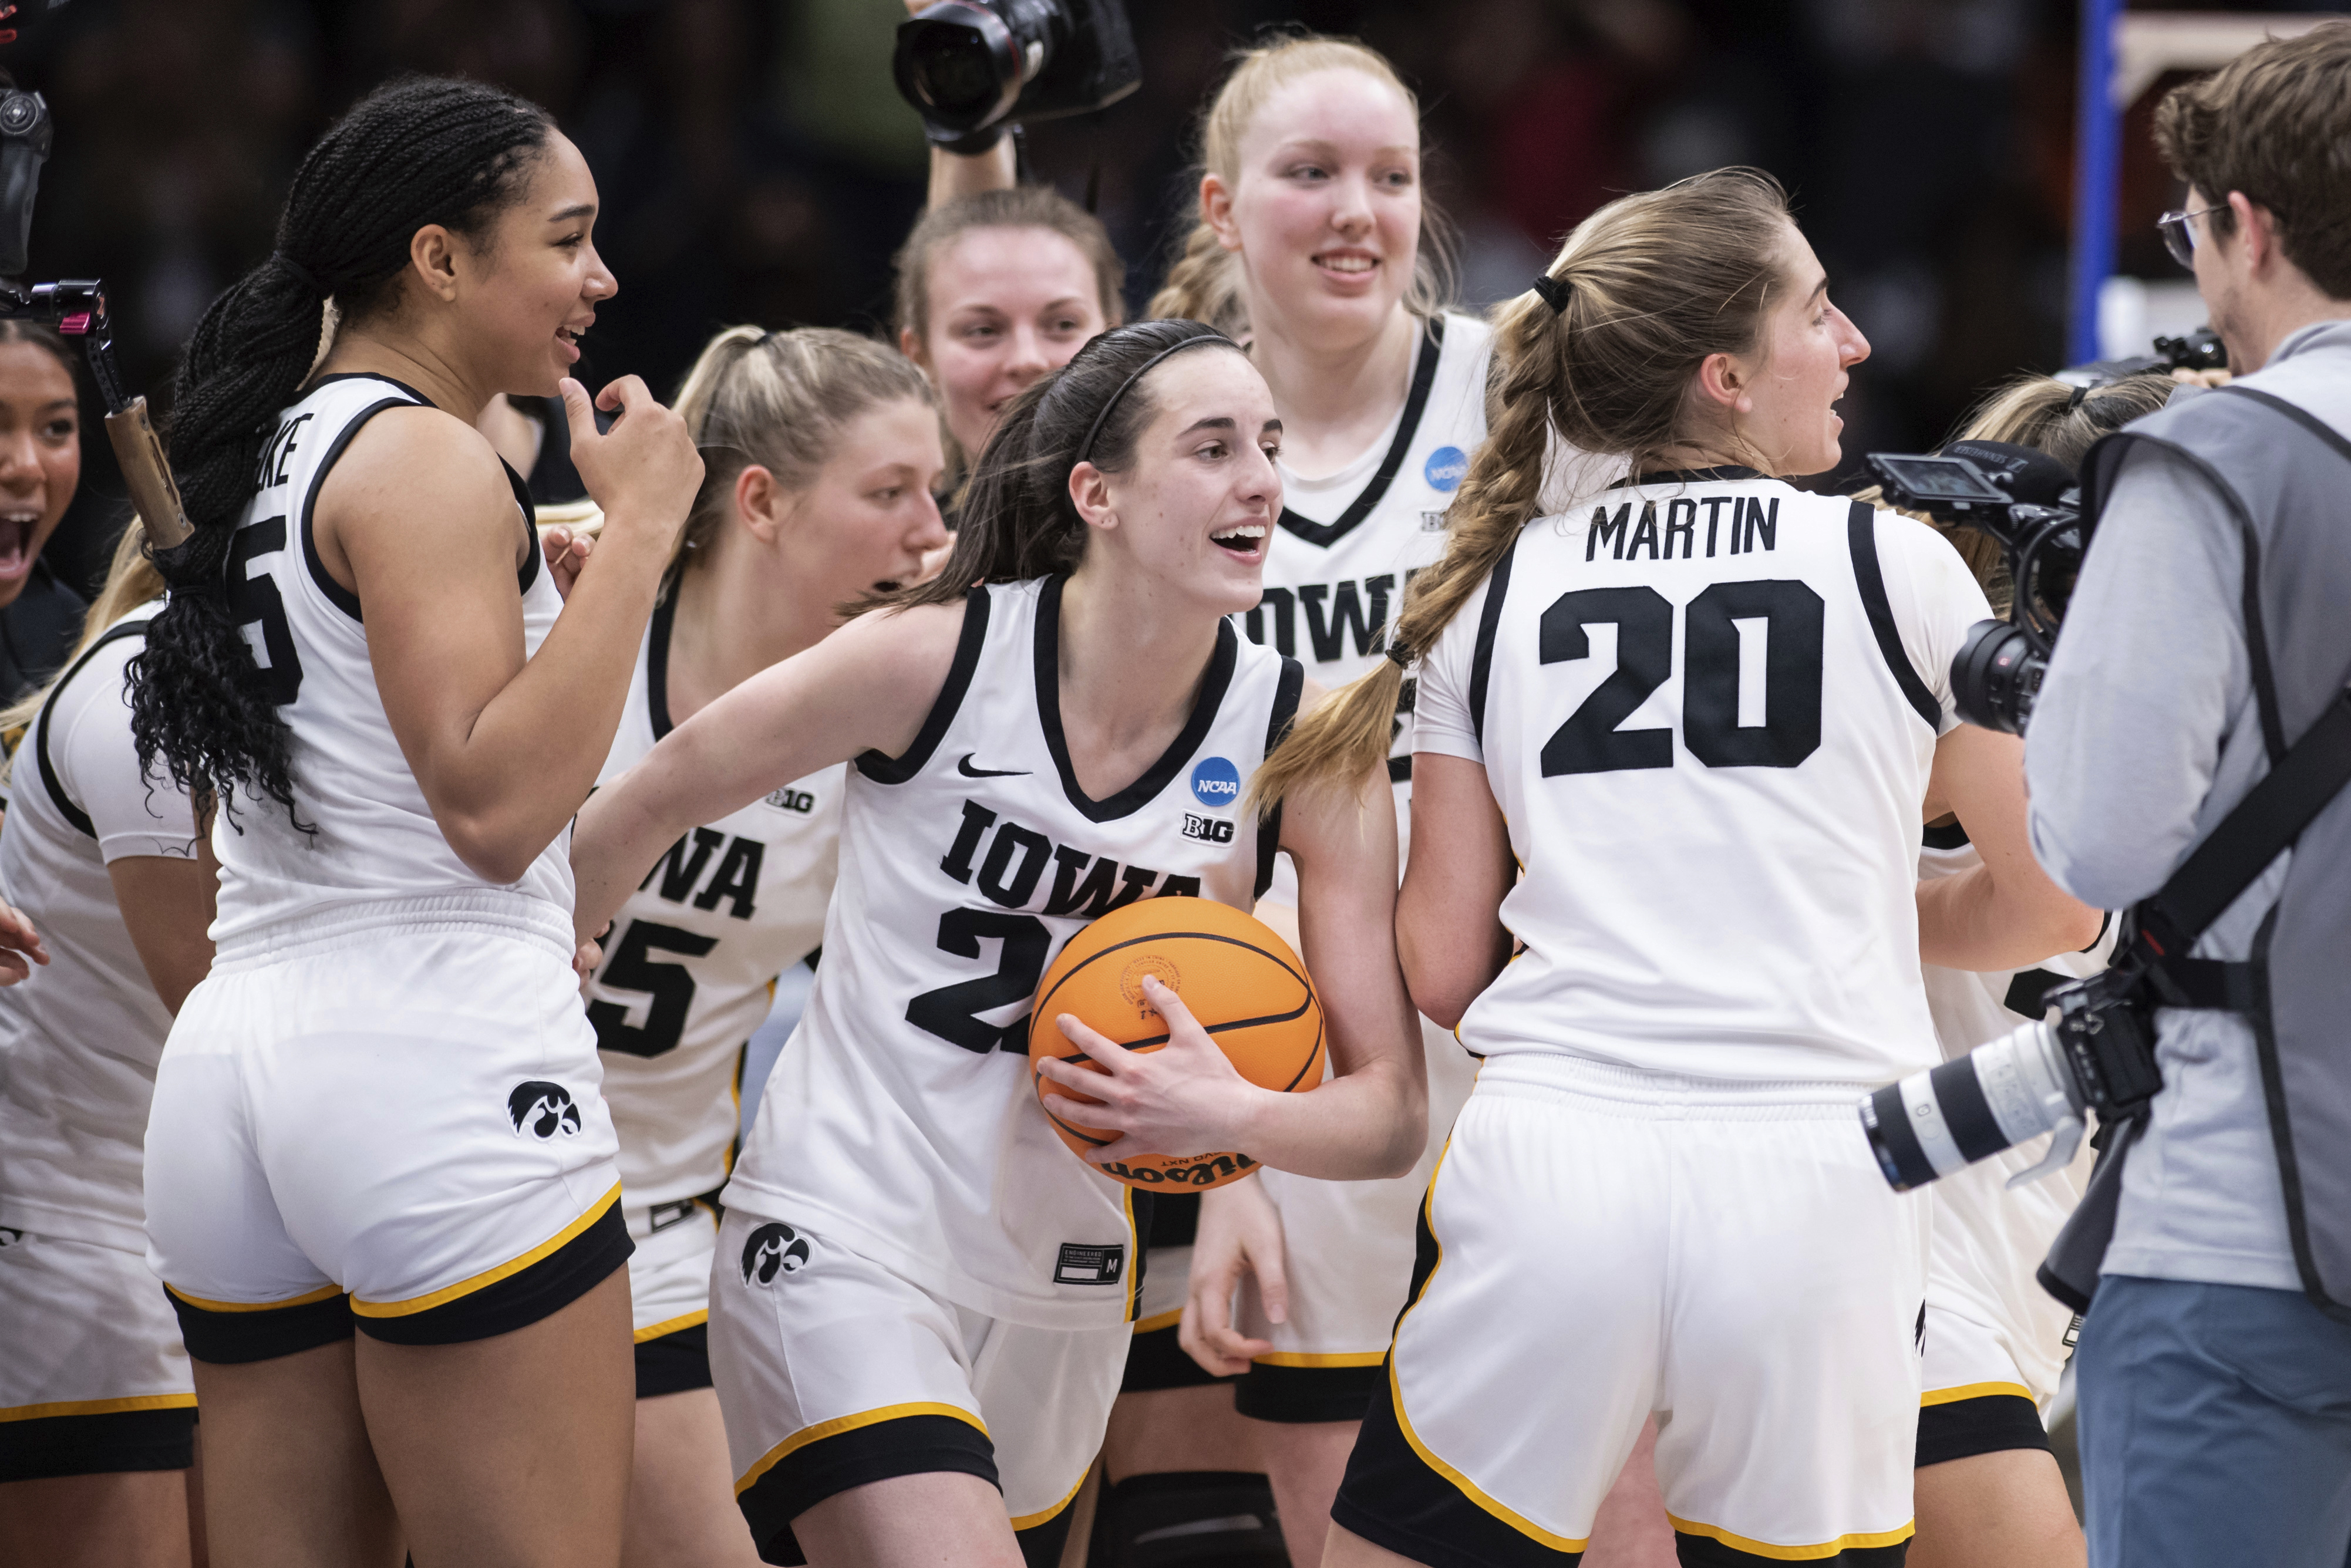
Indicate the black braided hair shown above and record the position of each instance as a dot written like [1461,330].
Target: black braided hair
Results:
[416,152]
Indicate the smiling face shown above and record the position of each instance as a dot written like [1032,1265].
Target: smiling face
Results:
[1004,307]
[1785,419]
[1324,206]
[1195,507]
[864,522]
[40,457]
[536,278]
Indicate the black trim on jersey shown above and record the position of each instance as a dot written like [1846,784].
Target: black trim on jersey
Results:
[1415,401]
[49,780]
[1276,729]
[1297,1395]
[898,769]
[902,1446]
[100,1444]
[532,563]
[522,1297]
[1988,1424]
[1949,836]
[342,598]
[1135,796]
[232,1339]
[657,666]
[1861,533]
[674,1363]
[1481,661]
[1729,473]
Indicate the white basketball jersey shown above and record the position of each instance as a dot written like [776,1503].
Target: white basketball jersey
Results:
[375,839]
[1708,706]
[1337,568]
[79,1037]
[691,960]
[900,1121]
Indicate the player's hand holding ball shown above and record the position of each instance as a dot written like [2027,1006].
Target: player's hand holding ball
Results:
[1147,1091]
[643,472]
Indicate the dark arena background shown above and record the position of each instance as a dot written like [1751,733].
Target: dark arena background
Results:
[756,165]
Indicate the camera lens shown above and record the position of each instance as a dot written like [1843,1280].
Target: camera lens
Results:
[954,71]
[18,112]
[961,65]
[1932,1124]
[1996,677]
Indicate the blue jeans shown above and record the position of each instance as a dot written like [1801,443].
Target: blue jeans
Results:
[2215,1428]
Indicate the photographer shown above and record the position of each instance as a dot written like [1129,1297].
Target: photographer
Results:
[2203,640]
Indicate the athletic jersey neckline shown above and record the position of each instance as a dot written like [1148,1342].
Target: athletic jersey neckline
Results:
[1424,377]
[1132,799]
[1727,473]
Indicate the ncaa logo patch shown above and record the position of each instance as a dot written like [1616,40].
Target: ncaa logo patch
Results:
[1445,468]
[774,1249]
[542,1110]
[1217,782]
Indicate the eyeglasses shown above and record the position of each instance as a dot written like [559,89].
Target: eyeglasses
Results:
[2180,234]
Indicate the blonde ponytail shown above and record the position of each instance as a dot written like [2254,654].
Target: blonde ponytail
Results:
[1204,284]
[1647,287]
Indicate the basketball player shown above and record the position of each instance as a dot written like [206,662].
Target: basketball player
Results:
[97,1406]
[922,1304]
[820,449]
[1990,1494]
[379,1110]
[1312,227]
[1703,711]
[995,289]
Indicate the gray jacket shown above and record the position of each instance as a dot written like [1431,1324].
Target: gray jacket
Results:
[2153,724]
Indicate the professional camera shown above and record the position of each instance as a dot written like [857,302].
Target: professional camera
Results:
[2094,1052]
[971,68]
[2031,503]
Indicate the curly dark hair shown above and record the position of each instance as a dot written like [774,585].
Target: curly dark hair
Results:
[416,152]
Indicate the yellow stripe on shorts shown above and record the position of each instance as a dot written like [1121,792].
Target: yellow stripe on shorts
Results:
[488,1277]
[1792,1553]
[839,1424]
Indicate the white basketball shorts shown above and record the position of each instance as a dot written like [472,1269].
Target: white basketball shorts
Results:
[388,1119]
[1349,1249]
[1600,1245]
[834,1372]
[93,1379]
[669,1293]
[1995,1339]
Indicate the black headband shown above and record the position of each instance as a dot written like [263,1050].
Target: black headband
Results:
[300,274]
[1086,447]
[1555,291]
[2081,391]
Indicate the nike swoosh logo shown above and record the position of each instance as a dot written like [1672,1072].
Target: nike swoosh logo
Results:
[965,767]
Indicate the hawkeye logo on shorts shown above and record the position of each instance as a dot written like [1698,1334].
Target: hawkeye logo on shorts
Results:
[774,1249]
[1081,1265]
[1217,782]
[1445,468]
[542,1110]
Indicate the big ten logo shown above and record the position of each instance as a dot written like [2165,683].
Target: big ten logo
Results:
[1209,830]
[1216,782]
[1007,862]
[798,800]
[734,881]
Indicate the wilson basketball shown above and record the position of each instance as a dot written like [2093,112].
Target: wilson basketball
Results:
[1239,979]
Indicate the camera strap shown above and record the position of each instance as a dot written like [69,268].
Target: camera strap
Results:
[2233,855]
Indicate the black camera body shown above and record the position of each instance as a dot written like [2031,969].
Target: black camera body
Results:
[971,68]
[25,136]
[2031,503]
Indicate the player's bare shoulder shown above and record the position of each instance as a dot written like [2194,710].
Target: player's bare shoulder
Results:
[416,479]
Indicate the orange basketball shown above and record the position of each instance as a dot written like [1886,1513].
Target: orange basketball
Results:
[1236,975]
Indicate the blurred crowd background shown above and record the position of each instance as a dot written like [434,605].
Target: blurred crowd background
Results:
[756,164]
